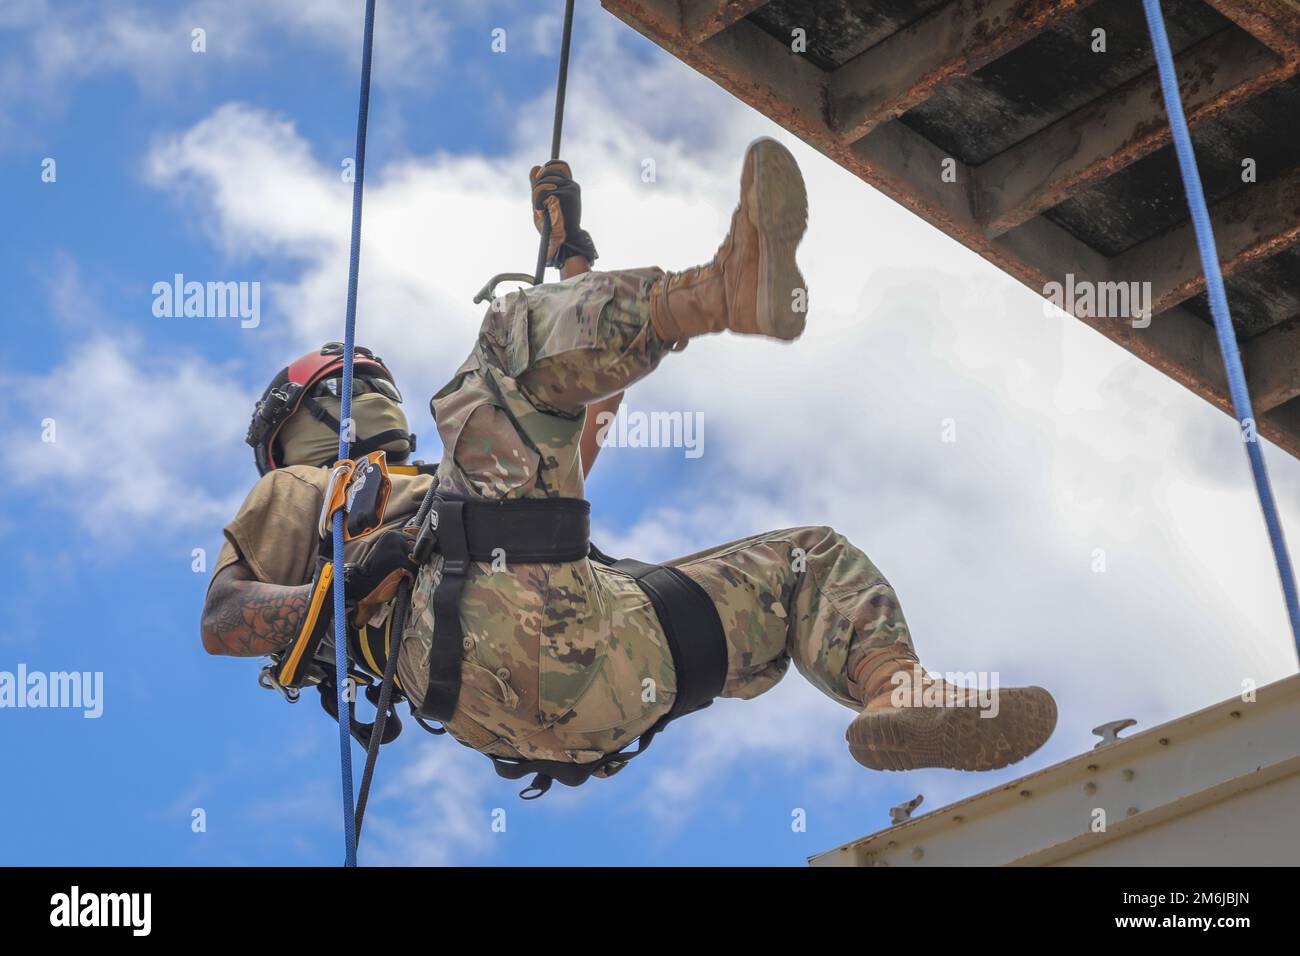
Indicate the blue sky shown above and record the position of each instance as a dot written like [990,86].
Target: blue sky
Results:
[224,166]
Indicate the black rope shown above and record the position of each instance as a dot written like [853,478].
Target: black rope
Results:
[557,127]
[397,626]
[404,593]
[385,699]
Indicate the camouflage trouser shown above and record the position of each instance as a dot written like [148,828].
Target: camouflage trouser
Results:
[568,661]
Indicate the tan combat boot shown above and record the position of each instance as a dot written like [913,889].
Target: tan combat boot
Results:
[752,285]
[912,721]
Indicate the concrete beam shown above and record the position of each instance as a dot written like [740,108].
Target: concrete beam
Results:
[904,165]
[1110,133]
[1273,22]
[1281,426]
[660,20]
[1257,221]
[1272,361]
[702,19]
[1182,346]
[745,61]
[901,163]
[899,72]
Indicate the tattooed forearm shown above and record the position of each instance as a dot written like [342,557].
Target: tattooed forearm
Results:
[246,618]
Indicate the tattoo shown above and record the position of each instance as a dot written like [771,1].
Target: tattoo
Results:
[246,618]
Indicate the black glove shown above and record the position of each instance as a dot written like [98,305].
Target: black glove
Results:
[373,580]
[556,196]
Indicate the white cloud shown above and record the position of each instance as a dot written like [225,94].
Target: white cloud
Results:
[434,810]
[71,41]
[134,441]
[435,228]
[793,729]
[237,162]
[125,436]
[58,46]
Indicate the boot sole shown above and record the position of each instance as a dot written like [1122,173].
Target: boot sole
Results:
[778,206]
[957,738]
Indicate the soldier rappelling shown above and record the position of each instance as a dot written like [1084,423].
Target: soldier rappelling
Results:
[542,661]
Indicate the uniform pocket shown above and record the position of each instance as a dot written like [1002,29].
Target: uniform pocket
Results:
[482,439]
[488,699]
[456,401]
[490,452]
[547,320]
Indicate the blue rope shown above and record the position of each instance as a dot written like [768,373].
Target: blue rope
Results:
[1219,305]
[345,416]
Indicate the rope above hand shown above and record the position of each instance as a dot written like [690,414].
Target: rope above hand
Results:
[352,817]
[341,680]
[1219,306]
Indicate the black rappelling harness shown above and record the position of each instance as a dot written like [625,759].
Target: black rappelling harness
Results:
[556,530]
[542,531]
[464,531]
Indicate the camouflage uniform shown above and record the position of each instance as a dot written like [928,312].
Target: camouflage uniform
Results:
[568,661]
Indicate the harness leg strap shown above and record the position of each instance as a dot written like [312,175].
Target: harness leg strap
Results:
[692,628]
[698,645]
[445,652]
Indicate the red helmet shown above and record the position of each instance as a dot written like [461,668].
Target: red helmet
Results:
[291,389]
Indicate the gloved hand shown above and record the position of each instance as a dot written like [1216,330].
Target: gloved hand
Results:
[559,198]
[372,582]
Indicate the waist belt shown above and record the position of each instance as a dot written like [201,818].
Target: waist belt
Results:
[544,530]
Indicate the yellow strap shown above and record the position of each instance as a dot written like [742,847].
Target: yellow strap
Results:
[289,670]
[364,641]
[388,646]
[368,653]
